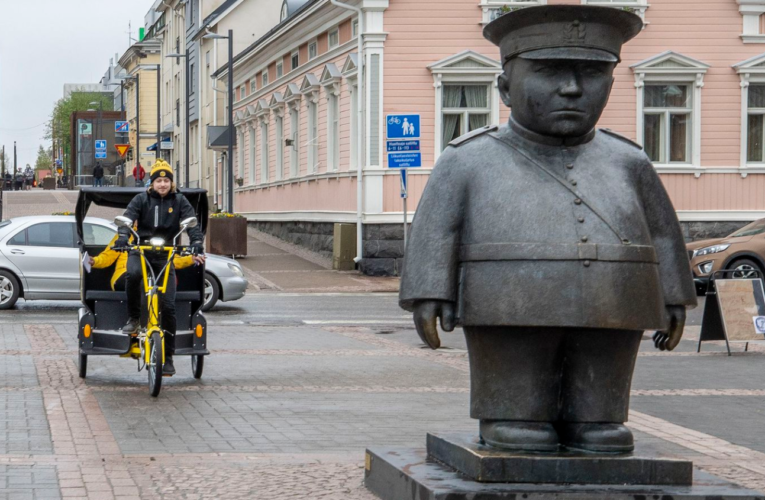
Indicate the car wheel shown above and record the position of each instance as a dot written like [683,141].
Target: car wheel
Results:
[745,268]
[212,292]
[9,290]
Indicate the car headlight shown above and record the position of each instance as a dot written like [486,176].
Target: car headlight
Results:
[710,250]
[236,270]
[706,267]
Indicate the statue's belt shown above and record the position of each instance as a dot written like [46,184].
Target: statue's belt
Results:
[558,251]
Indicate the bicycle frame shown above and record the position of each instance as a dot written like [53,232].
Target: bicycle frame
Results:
[152,290]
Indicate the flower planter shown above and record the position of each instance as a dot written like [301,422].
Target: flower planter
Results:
[226,236]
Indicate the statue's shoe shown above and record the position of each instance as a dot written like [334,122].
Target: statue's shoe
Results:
[519,436]
[601,438]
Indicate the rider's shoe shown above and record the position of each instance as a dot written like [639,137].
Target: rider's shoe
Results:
[168,368]
[131,326]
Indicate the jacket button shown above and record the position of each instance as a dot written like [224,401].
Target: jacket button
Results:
[573,182]
[569,166]
[586,263]
[577,201]
[580,219]
[584,239]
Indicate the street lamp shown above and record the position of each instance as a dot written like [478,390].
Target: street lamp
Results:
[100,105]
[230,169]
[186,100]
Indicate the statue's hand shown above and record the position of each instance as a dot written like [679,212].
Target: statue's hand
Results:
[668,340]
[425,314]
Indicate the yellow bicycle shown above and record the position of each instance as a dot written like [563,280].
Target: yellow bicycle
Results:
[150,341]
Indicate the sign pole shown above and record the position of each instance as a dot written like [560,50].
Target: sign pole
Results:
[404,196]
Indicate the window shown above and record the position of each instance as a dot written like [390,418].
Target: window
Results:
[635,6]
[295,60]
[20,239]
[177,49]
[492,9]
[192,81]
[240,147]
[465,108]
[50,234]
[313,137]
[178,112]
[264,151]
[755,124]
[333,132]
[253,165]
[313,50]
[253,85]
[355,28]
[667,118]
[295,137]
[279,123]
[265,77]
[334,38]
[354,125]
[242,91]
[279,70]
[97,235]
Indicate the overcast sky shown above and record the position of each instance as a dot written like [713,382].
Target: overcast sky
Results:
[47,43]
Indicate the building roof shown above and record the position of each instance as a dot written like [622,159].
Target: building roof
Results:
[306,4]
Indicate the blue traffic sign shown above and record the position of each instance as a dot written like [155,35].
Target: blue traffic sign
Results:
[122,127]
[403,126]
[100,155]
[100,145]
[404,160]
[404,192]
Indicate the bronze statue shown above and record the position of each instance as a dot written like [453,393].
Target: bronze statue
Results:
[552,243]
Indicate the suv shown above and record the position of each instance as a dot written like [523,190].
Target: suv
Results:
[743,251]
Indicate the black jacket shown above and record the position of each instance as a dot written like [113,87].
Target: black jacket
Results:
[98,171]
[161,217]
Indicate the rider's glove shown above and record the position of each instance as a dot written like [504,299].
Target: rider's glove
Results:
[197,248]
[121,243]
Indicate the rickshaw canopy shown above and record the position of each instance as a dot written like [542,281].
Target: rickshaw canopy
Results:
[121,197]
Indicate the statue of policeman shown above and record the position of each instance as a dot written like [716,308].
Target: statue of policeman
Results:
[552,243]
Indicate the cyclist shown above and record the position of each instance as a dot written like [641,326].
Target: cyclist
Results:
[157,213]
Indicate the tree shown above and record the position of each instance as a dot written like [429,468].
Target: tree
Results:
[44,160]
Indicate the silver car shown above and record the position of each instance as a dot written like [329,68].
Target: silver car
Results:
[40,260]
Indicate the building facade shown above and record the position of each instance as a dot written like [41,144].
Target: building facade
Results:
[689,89]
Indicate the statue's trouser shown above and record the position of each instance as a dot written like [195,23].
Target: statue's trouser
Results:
[551,375]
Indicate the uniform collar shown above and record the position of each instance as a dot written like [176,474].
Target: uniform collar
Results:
[549,140]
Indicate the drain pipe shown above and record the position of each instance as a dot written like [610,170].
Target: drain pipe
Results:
[360,135]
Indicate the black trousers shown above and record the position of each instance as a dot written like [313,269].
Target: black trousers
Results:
[551,374]
[135,292]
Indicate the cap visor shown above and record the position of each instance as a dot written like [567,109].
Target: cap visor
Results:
[573,53]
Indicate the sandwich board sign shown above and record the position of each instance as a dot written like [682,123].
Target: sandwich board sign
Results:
[734,312]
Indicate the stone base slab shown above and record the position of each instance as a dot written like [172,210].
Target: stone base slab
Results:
[407,474]
[485,464]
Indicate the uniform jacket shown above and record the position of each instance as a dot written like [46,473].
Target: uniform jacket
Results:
[161,217]
[596,246]
[109,256]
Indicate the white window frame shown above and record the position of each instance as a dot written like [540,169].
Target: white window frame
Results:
[295,137]
[355,28]
[466,112]
[253,150]
[681,69]
[264,150]
[666,113]
[636,6]
[750,71]
[333,33]
[751,10]
[292,58]
[279,124]
[253,86]
[315,45]
[279,69]
[333,132]
[448,72]
[490,8]
[240,155]
[264,78]
[312,136]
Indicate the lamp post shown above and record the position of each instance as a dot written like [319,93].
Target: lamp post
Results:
[186,101]
[98,127]
[230,167]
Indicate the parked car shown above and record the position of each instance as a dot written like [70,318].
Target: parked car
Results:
[743,251]
[39,260]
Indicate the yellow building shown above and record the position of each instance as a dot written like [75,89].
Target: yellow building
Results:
[141,63]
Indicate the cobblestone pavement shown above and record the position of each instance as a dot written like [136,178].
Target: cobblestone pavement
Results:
[286,412]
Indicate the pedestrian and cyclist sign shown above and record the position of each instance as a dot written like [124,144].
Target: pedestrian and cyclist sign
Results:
[100,150]
[403,144]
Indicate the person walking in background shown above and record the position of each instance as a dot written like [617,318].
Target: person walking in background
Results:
[29,178]
[138,174]
[98,175]
[18,180]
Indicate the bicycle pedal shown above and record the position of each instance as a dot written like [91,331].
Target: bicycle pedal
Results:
[167,375]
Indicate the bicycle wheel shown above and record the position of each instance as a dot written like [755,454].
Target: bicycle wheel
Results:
[197,365]
[155,365]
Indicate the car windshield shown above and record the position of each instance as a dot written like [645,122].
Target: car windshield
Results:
[756,227]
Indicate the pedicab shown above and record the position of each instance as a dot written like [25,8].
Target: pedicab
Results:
[104,311]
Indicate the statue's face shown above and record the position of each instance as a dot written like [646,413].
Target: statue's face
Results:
[560,98]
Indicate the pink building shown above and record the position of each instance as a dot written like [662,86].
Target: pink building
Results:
[690,89]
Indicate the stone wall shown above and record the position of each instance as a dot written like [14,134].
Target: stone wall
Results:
[383,243]
[695,231]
